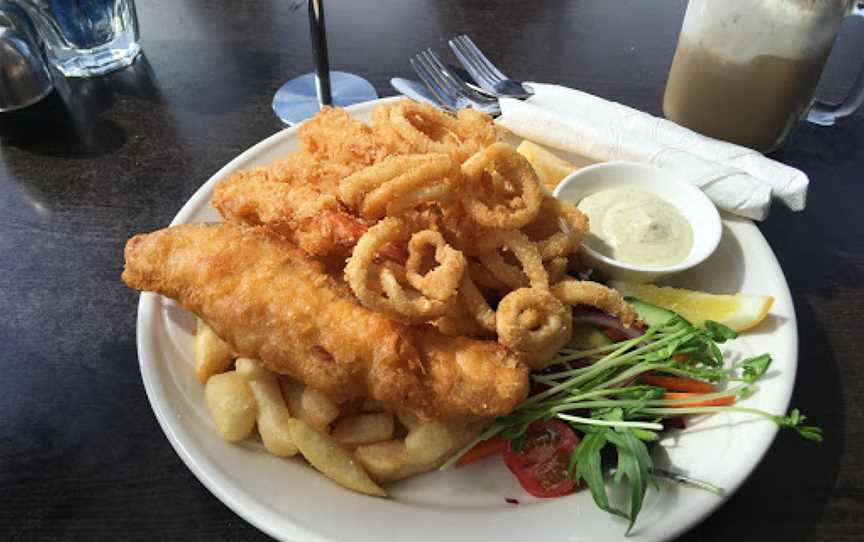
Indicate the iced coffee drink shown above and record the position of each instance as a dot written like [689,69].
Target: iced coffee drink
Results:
[746,70]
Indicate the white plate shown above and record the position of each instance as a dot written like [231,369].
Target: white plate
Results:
[291,501]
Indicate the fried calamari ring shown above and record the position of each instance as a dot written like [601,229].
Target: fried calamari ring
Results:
[442,281]
[539,360]
[417,127]
[400,183]
[532,273]
[353,188]
[584,292]
[457,227]
[500,269]
[501,189]
[533,320]
[482,277]
[556,268]
[378,288]
[411,306]
[476,130]
[546,228]
[408,127]
[458,322]
[475,304]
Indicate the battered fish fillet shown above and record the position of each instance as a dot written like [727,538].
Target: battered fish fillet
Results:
[271,302]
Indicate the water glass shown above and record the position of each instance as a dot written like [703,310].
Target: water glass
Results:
[87,37]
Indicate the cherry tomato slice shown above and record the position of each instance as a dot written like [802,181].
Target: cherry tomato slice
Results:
[541,466]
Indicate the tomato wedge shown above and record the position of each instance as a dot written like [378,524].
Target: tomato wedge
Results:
[541,466]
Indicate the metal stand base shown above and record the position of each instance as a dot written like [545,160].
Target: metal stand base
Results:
[297,99]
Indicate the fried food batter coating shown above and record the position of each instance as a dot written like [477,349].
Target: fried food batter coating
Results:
[407,127]
[333,135]
[295,197]
[271,302]
[593,294]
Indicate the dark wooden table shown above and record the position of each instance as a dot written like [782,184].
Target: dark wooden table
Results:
[81,454]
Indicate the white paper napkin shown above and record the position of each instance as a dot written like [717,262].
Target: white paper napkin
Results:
[737,179]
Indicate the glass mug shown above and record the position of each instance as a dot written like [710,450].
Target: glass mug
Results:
[746,70]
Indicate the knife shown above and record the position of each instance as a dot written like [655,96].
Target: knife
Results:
[416,91]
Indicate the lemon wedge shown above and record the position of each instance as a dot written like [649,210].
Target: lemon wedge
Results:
[550,168]
[739,312]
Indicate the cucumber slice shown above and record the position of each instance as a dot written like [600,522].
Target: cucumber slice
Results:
[651,314]
[588,336]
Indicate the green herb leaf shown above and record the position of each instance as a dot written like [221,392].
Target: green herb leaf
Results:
[716,353]
[646,435]
[718,332]
[587,461]
[810,432]
[712,374]
[634,464]
[753,368]
[794,420]
[747,391]
[662,354]
[642,391]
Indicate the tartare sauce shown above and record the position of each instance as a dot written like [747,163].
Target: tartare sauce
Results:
[637,227]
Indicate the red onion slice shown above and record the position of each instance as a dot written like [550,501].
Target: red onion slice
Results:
[590,315]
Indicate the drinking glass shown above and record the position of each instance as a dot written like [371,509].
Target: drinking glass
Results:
[746,70]
[87,37]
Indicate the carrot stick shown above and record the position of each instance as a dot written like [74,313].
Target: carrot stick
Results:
[677,383]
[719,401]
[493,446]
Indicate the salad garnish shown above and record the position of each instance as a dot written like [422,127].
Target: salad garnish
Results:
[617,396]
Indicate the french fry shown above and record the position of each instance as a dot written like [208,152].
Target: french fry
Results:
[319,411]
[389,461]
[212,354]
[408,420]
[252,369]
[273,415]
[292,391]
[364,429]
[428,441]
[326,455]
[231,405]
[385,461]
[307,404]
[351,407]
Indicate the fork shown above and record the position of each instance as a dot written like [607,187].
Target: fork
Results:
[484,72]
[451,91]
